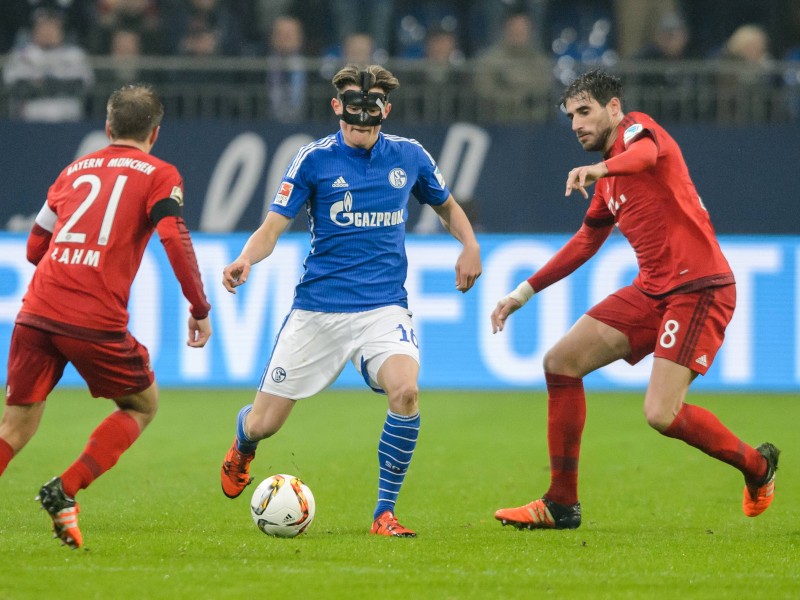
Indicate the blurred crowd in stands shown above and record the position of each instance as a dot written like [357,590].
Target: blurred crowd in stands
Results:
[522,50]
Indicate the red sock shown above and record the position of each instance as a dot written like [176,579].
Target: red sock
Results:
[566,415]
[6,454]
[699,427]
[106,444]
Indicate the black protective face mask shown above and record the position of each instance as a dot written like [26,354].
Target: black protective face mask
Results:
[362,107]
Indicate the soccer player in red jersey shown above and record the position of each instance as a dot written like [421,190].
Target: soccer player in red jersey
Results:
[677,307]
[87,244]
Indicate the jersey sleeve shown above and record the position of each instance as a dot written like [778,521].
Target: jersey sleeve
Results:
[177,243]
[580,248]
[290,196]
[598,215]
[166,194]
[597,225]
[38,242]
[41,233]
[294,189]
[640,155]
[430,187]
[165,204]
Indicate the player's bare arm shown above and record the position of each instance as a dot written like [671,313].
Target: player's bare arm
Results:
[580,178]
[468,265]
[258,247]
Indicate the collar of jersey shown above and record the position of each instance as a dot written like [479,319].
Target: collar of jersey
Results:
[374,151]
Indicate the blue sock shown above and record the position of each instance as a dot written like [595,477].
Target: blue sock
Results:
[395,448]
[244,443]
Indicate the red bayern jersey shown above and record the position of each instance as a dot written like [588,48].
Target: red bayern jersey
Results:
[102,202]
[661,214]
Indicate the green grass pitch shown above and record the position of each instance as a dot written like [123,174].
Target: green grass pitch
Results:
[661,520]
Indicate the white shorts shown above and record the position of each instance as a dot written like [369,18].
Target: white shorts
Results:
[312,348]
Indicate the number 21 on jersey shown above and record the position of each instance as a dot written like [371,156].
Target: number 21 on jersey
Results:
[68,234]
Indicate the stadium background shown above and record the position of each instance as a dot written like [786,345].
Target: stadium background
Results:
[507,168]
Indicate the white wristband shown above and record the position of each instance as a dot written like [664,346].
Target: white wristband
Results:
[523,293]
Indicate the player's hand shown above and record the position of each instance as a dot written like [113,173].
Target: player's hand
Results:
[468,268]
[235,274]
[504,308]
[199,332]
[580,178]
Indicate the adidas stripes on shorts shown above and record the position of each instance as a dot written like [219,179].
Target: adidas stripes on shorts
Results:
[687,329]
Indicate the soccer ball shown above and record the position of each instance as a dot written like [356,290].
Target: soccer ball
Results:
[282,506]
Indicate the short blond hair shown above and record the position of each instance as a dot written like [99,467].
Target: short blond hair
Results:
[133,111]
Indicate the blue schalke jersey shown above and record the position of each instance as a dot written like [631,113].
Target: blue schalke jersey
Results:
[357,205]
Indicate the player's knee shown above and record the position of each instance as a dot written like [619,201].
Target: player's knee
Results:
[559,363]
[151,410]
[142,406]
[19,424]
[658,418]
[404,400]
[146,412]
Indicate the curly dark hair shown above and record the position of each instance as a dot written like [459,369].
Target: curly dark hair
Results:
[596,84]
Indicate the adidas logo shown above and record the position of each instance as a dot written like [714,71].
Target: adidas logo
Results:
[703,360]
[340,182]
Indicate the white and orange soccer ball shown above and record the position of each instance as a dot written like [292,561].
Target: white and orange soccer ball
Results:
[282,506]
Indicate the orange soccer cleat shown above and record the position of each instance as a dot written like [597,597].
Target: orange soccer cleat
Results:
[758,496]
[235,473]
[63,510]
[541,514]
[386,524]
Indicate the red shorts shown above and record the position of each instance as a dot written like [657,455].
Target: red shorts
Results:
[36,361]
[687,329]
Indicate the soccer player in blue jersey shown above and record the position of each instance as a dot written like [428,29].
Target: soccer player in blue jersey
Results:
[350,303]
